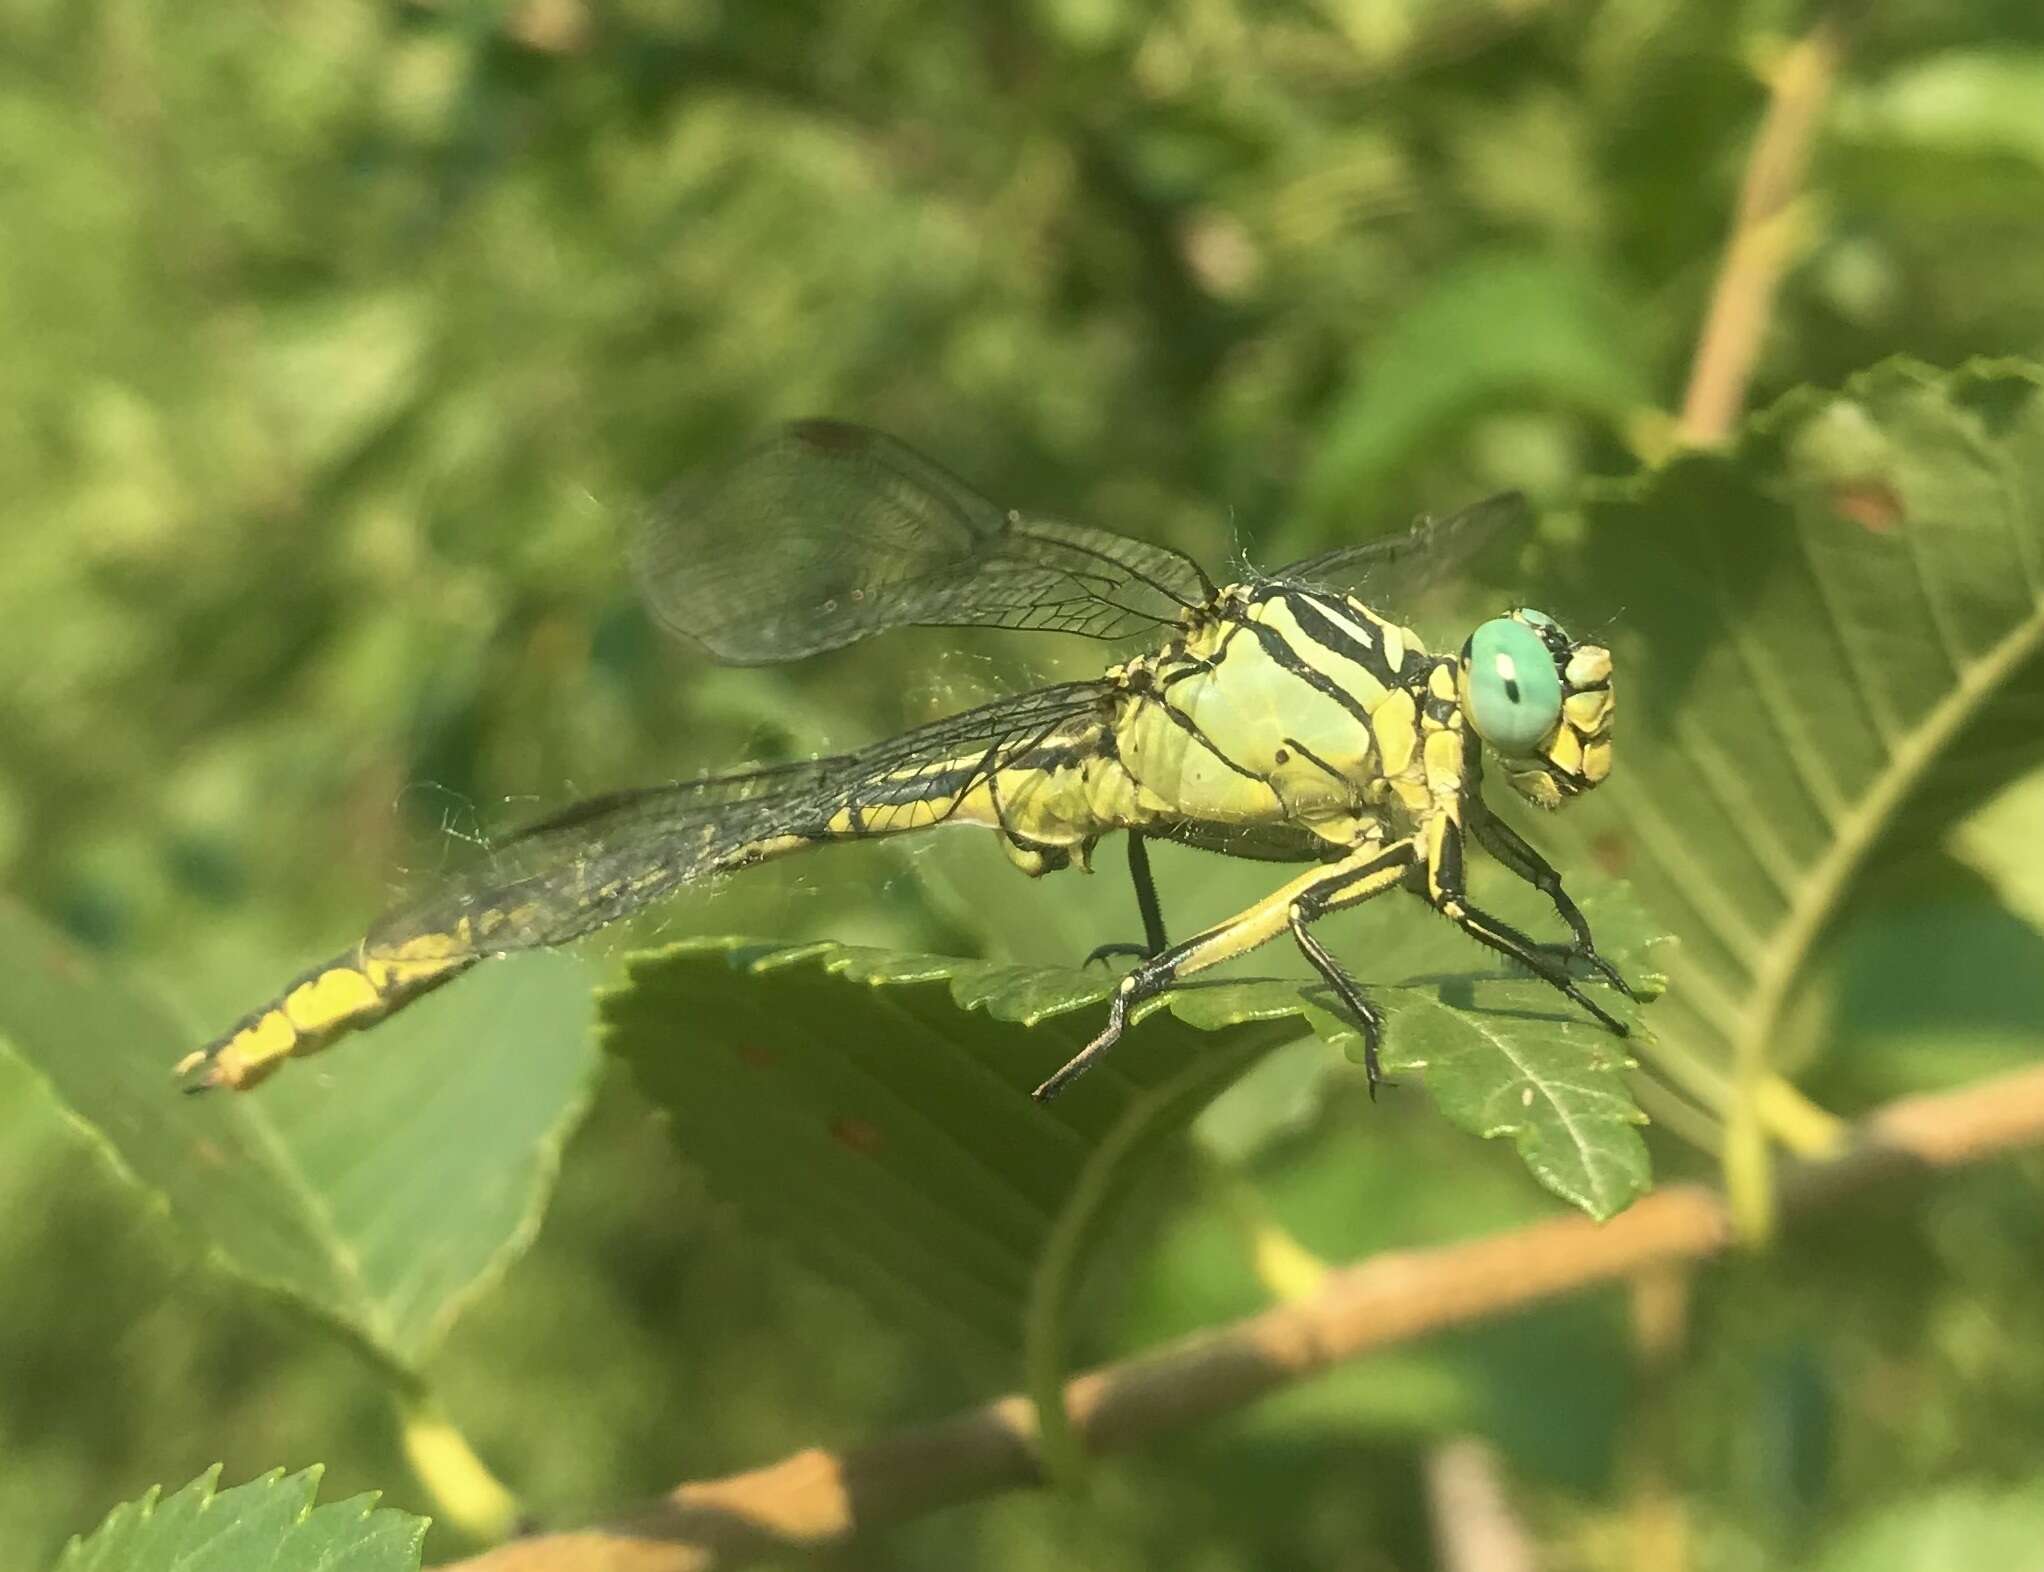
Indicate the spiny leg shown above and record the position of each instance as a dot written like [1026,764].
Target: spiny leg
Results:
[1350,992]
[1240,934]
[1508,847]
[1372,878]
[1154,940]
[1501,936]
[1146,893]
[1446,893]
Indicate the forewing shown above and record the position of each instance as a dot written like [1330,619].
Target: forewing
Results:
[599,860]
[827,532]
[604,859]
[1393,572]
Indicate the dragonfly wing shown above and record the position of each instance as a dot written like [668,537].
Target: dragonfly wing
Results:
[1393,571]
[827,532]
[597,861]
[552,882]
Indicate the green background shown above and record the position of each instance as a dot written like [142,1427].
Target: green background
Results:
[339,345]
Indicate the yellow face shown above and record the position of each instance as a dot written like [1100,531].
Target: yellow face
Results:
[1541,702]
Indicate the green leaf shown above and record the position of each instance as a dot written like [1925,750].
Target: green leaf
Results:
[384,1198]
[872,1109]
[881,1126]
[1828,639]
[1500,326]
[268,1524]
[2013,818]
[1980,101]
[1955,1530]
[335,371]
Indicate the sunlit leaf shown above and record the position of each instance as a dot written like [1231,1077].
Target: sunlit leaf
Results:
[1827,638]
[268,1523]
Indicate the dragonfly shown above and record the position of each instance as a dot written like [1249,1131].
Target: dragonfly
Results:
[1279,718]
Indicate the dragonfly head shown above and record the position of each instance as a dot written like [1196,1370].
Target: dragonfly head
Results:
[1541,701]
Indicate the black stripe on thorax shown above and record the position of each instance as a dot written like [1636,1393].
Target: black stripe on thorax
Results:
[1331,636]
[1287,659]
[1186,724]
[1317,762]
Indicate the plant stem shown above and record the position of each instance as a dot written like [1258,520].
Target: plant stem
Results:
[1769,229]
[1061,1452]
[463,1489]
[1285,1267]
[1802,1126]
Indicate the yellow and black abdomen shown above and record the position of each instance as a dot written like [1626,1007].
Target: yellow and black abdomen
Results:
[355,989]
[1034,768]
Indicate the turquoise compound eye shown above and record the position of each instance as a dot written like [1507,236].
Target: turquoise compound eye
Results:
[1514,692]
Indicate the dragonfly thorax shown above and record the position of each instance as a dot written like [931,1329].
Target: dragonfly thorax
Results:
[1284,707]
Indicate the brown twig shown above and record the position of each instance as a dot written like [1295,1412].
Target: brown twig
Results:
[818,1498]
[1764,236]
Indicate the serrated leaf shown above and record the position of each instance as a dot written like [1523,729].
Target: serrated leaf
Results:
[1830,636]
[1558,1094]
[383,1199]
[269,1523]
[878,1122]
[872,1109]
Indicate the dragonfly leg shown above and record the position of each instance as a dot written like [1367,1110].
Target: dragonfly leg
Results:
[1154,940]
[1361,874]
[1510,848]
[1446,894]
[1359,881]
[1350,992]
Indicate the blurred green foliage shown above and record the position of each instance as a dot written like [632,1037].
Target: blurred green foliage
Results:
[341,343]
